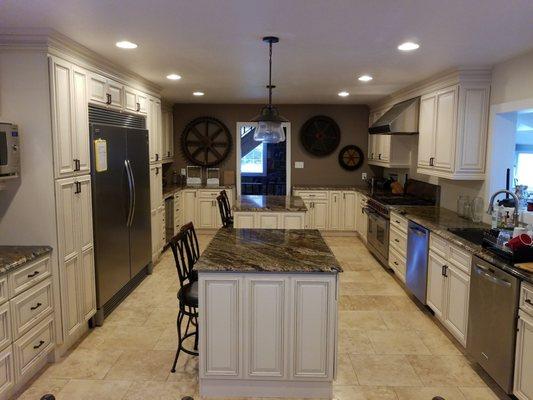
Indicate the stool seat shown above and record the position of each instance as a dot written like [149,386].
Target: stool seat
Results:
[188,294]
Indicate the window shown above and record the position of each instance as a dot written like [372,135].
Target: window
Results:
[524,166]
[255,161]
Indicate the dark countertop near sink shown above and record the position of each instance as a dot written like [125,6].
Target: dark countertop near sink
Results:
[258,203]
[170,190]
[439,220]
[268,250]
[12,257]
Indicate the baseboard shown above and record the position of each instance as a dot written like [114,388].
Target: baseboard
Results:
[339,233]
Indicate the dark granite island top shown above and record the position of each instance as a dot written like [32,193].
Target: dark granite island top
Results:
[12,257]
[254,203]
[268,250]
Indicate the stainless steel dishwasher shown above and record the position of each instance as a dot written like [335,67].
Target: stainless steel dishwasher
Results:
[492,318]
[417,260]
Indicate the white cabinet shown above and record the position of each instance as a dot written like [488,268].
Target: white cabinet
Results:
[7,373]
[167,135]
[76,260]
[154,129]
[342,210]
[105,91]
[523,373]
[335,210]
[70,119]
[448,286]
[453,131]
[157,207]
[134,101]
[361,217]
[349,210]
[317,203]
[156,186]
[189,205]
[398,245]
[207,210]
[269,220]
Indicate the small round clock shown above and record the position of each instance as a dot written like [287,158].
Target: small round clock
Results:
[351,157]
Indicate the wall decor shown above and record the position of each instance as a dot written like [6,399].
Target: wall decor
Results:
[351,157]
[206,141]
[320,135]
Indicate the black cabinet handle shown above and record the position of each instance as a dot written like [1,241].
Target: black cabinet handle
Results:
[108,96]
[168,153]
[157,170]
[34,273]
[379,156]
[396,221]
[396,240]
[444,269]
[528,301]
[395,263]
[41,342]
[138,107]
[36,306]
[156,156]
[78,187]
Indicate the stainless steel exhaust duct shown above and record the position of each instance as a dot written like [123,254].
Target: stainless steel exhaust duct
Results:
[401,119]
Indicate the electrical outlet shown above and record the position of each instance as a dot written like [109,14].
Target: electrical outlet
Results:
[298,164]
[183,172]
[364,176]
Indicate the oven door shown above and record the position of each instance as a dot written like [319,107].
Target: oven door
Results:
[378,236]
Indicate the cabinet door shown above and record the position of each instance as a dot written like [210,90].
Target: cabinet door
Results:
[371,146]
[116,94]
[268,220]
[348,211]
[266,315]
[308,220]
[156,186]
[67,215]
[97,89]
[426,130]
[162,228]
[204,213]
[7,376]
[384,148]
[85,212]
[170,135]
[156,228]
[142,99]
[244,220]
[70,288]
[335,208]
[436,284]
[88,281]
[523,382]
[130,99]
[314,316]
[80,119]
[445,129]
[64,140]
[320,214]
[220,333]
[189,206]
[157,129]
[456,314]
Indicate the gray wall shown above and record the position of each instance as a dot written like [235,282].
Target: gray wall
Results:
[352,120]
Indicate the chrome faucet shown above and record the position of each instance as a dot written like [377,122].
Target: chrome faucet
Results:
[490,210]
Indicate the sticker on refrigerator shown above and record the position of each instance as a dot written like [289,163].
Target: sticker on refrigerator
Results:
[100,155]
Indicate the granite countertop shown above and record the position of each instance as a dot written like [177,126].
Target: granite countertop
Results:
[359,188]
[439,220]
[268,250]
[170,190]
[253,203]
[12,257]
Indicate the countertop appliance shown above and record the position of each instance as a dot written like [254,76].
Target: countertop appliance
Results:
[401,119]
[492,317]
[9,151]
[417,260]
[121,212]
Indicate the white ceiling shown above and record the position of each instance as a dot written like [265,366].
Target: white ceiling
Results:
[216,44]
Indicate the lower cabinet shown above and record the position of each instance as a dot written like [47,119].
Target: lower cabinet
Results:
[361,218]
[7,371]
[269,220]
[523,373]
[200,207]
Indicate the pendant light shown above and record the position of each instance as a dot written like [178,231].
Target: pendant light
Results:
[269,129]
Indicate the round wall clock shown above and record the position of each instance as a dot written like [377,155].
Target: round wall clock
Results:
[351,157]
[206,141]
[320,135]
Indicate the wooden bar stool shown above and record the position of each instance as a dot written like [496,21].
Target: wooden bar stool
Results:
[227,222]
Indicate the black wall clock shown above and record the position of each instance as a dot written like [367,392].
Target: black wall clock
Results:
[351,157]
[206,141]
[320,135]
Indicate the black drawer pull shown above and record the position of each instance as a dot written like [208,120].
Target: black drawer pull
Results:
[395,263]
[41,342]
[36,306]
[396,240]
[396,221]
[35,273]
[528,301]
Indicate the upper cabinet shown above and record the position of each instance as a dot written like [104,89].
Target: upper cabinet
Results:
[167,135]
[135,101]
[153,124]
[103,90]
[388,150]
[453,132]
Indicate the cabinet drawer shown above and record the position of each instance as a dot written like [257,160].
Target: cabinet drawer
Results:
[526,298]
[438,245]
[460,258]
[31,306]
[5,326]
[397,263]
[311,195]
[7,371]
[27,276]
[398,241]
[399,222]
[29,349]
[3,289]
[208,194]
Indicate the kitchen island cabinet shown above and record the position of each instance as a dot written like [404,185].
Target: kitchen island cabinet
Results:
[269,212]
[268,312]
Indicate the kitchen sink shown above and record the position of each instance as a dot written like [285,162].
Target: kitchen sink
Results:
[474,235]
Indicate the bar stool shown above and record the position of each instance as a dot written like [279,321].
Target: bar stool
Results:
[224,215]
[193,245]
[187,294]
[227,203]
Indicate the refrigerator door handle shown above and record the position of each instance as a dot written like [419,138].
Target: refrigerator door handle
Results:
[131,191]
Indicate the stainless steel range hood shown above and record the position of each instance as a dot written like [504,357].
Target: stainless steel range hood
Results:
[401,119]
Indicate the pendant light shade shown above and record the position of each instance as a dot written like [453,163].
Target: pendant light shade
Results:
[269,121]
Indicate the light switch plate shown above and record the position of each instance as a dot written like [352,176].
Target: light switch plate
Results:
[364,176]
[183,172]
[298,164]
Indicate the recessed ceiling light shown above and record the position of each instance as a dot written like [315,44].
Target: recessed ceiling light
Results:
[365,78]
[408,46]
[174,77]
[198,93]
[343,94]
[124,44]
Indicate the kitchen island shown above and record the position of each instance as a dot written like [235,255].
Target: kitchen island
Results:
[268,314]
[269,212]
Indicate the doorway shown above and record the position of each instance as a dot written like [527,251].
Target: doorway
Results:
[262,168]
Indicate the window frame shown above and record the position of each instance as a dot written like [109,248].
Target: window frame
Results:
[264,159]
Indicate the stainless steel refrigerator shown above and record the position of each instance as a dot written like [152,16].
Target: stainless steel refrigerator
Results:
[121,212]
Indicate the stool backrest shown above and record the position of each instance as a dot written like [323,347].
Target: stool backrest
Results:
[224,216]
[224,194]
[182,256]
[193,240]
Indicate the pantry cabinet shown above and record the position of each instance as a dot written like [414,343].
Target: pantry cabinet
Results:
[75,248]
[453,131]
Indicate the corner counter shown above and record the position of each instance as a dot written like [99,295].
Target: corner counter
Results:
[268,314]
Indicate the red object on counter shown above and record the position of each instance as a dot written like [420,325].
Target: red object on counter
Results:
[520,241]
[530,206]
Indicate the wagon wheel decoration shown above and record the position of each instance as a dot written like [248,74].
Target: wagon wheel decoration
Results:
[351,157]
[206,141]
[320,135]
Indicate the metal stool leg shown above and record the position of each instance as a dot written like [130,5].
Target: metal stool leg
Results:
[178,323]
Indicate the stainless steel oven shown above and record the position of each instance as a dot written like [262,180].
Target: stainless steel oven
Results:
[378,234]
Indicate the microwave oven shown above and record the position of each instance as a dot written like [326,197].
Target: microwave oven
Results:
[9,150]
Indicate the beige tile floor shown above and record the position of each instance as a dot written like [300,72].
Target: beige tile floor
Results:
[389,348]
